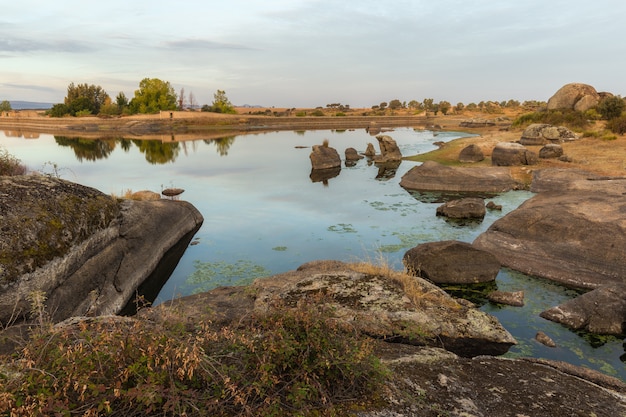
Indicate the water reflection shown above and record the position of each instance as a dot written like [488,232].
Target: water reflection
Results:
[155,151]
[323,175]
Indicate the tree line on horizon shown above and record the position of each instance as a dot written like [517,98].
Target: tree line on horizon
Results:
[152,96]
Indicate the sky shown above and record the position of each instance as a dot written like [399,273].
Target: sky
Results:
[309,53]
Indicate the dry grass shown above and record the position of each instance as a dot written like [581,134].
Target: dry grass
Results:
[417,290]
[597,151]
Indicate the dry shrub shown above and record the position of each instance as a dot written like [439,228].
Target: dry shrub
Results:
[10,165]
[288,361]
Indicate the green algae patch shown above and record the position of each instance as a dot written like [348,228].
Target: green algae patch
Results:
[210,275]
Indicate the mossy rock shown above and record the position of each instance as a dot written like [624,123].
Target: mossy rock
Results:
[42,217]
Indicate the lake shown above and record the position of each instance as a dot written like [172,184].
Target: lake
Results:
[263,214]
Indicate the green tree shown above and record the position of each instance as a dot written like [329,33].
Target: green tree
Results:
[5,105]
[428,104]
[444,107]
[59,110]
[395,104]
[221,104]
[415,105]
[153,96]
[611,107]
[459,107]
[85,97]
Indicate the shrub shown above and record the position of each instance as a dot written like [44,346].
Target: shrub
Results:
[617,125]
[317,113]
[570,118]
[10,165]
[276,364]
[611,107]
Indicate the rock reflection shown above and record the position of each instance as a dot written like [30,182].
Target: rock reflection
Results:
[387,170]
[323,175]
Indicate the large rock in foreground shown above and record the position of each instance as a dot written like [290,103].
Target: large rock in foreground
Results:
[577,239]
[574,96]
[432,176]
[431,383]
[81,249]
[384,304]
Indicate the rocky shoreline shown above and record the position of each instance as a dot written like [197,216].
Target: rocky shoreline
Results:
[440,350]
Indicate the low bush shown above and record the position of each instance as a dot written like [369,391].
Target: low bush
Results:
[617,125]
[10,165]
[570,118]
[288,362]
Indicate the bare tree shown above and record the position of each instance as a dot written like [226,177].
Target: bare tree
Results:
[181,99]
[192,101]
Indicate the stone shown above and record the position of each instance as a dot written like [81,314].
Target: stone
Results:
[477,122]
[541,134]
[451,262]
[103,249]
[353,155]
[493,206]
[574,96]
[512,154]
[551,151]
[464,208]
[370,151]
[601,311]
[432,176]
[560,179]
[515,298]
[544,339]
[471,153]
[145,195]
[324,157]
[172,193]
[575,238]
[375,303]
[389,151]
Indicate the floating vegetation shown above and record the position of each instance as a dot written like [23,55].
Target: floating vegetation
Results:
[210,275]
[476,293]
[342,228]
[280,248]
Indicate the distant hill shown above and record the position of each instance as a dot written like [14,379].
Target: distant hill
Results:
[29,105]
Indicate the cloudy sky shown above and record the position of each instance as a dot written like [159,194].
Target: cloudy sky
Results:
[296,53]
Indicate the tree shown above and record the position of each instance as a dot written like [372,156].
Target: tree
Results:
[59,110]
[428,104]
[459,107]
[192,101]
[181,99]
[444,107]
[5,105]
[611,107]
[415,105]
[153,95]
[395,104]
[83,98]
[221,104]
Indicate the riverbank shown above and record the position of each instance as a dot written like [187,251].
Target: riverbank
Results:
[195,125]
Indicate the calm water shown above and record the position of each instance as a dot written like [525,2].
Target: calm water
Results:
[264,215]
